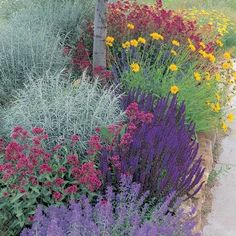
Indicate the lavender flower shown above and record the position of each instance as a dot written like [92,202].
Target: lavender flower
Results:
[126,212]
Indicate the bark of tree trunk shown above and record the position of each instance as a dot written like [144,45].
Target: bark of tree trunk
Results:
[100,32]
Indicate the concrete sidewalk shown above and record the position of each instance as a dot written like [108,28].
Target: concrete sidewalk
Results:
[222,219]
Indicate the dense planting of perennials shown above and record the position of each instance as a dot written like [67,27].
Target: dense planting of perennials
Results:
[156,147]
[122,213]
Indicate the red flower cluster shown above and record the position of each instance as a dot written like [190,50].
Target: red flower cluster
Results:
[27,163]
[147,19]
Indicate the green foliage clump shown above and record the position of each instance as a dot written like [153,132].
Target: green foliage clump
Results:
[62,108]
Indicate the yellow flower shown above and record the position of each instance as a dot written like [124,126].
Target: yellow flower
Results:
[230,117]
[176,43]
[134,43]
[109,41]
[227,55]
[197,76]
[173,67]
[202,45]
[207,76]
[142,40]
[203,53]
[190,41]
[135,67]
[217,76]
[126,44]
[174,89]
[234,75]
[215,107]
[226,65]
[219,43]
[192,47]
[211,57]
[217,96]
[130,26]
[173,52]
[156,36]
[224,127]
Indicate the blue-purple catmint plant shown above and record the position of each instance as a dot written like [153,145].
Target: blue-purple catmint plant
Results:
[157,147]
[125,212]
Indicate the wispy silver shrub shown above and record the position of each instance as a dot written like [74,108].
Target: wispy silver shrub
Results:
[62,109]
[32,40]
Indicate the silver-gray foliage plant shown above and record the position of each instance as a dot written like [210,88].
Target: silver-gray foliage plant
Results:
[62,108]
[32,40]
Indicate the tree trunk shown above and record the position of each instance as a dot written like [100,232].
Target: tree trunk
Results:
[100,32]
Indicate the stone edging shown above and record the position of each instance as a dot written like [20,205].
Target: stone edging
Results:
[207,143]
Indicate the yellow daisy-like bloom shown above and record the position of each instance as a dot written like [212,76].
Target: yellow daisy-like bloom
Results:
[173,52]
[207,76]
[130,26]
[230,117]
[173,67]
[134,43]
[174,89]
[135,67]
[156,36]
[192,47]
[227,55]
[215,107]
[219,43]
[203,53]
[224,127]
[175,43]
[211,57]
[226,65]
[142,40]
[197,76]
[109,41]
[218,77]
[202,45]
[126,44]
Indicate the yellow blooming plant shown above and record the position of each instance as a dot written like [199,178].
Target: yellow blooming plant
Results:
[173,67]
[156,36]
[174,89]
[135,67]
[130,26]
[109,41]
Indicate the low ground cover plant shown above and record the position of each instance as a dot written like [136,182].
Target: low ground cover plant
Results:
[32,175]
[62,108]
[122,213]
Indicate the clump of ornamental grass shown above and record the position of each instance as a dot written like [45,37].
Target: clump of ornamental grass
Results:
[188,70]
[156,146]
[122,213]
[62,108]
[33,38]
[32,175]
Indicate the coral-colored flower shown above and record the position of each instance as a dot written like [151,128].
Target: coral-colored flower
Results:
[37,130]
